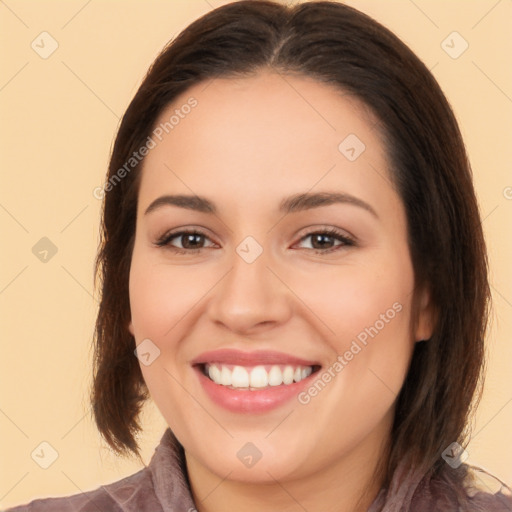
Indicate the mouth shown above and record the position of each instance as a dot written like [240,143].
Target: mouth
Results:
[252,382]
[258,377]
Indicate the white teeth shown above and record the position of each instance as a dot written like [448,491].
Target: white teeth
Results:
[225,377]
[214,373]
[275,376]
[256,377]
[288,375]
[239,377]
[306,372]
[259,377]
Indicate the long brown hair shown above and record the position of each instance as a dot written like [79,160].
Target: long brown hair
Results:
[338,45]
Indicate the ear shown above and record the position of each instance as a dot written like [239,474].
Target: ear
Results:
[425,316]
[130,328]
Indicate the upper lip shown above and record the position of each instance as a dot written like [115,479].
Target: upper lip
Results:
[257,357]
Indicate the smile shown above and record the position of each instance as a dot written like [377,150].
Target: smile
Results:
[256,377]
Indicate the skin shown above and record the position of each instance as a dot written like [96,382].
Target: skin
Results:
[248,144]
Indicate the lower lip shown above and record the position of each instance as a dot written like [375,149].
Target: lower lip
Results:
[247,401]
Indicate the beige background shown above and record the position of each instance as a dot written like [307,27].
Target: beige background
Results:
[59,118]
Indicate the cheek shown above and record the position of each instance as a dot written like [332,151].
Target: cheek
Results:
[162,299]
[350,300]
[366,312]
[161,295]
[369,311]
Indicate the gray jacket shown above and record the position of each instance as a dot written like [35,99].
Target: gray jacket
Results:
[162,486]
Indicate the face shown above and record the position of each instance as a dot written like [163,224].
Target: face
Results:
[282,268]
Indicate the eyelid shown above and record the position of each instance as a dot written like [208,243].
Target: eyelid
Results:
[325,228]
[330,231]
[341,236]
[164,240]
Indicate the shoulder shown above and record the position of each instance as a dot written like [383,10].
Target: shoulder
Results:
[134,493]
[467,489]
[488,502]
[485,491]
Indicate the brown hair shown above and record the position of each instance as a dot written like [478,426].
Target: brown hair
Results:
[339,45]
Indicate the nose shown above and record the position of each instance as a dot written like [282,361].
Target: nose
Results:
[250,298]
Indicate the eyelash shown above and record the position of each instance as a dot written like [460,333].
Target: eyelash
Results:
[164,241]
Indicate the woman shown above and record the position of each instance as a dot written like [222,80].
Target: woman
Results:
[293,251]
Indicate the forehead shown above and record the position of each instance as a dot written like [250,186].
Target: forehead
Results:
[266,133]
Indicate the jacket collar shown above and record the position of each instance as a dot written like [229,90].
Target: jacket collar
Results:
[169,474]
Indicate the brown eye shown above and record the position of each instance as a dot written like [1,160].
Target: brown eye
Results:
[327,241]
[191,240]
[322,241]
[184,241]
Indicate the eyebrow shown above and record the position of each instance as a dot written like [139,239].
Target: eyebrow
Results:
[294,203]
